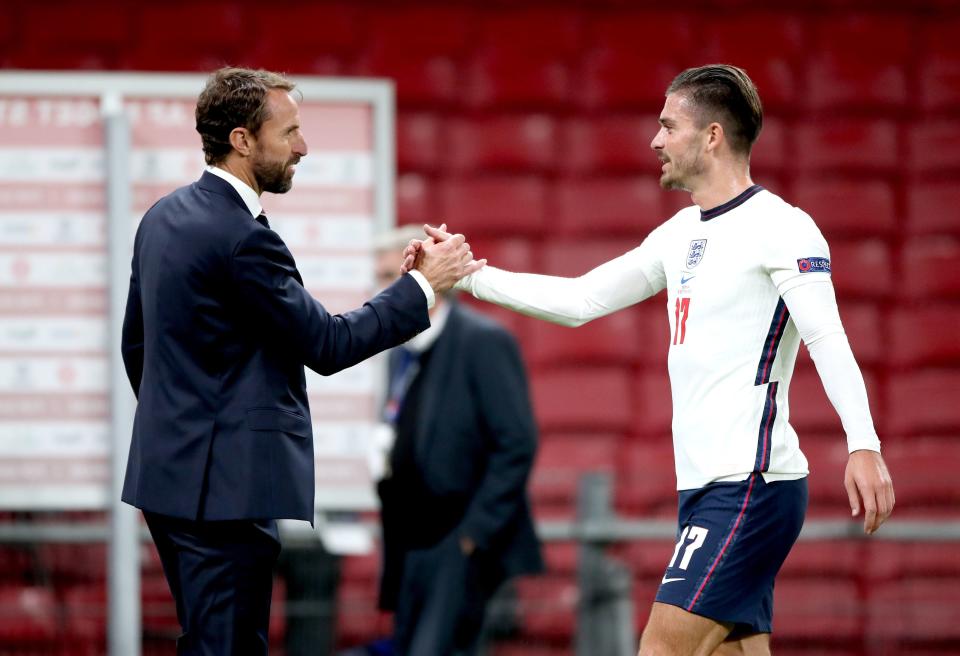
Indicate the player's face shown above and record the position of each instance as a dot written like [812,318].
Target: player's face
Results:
[679,144]
[279,144]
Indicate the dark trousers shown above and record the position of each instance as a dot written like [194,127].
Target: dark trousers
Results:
[221,576]
[443,597]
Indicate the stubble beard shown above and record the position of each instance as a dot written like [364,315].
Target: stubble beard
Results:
[272,176]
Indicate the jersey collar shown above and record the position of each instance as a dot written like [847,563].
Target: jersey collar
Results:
[706,215]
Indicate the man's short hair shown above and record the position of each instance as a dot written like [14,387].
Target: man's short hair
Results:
[234,98]
[725,94]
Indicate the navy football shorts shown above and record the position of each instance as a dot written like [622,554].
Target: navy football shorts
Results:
[732,539]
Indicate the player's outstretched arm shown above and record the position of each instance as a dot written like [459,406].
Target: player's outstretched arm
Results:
[870,488]
[612,286]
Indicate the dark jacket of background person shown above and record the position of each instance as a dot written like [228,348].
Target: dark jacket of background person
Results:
[218,328]
[473,447]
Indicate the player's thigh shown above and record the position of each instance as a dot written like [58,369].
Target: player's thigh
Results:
[755,645]
[672,631]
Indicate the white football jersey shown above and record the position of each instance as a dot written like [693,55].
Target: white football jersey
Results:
[733,345]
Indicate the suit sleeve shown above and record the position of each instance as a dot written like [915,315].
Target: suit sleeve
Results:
[500,385]
[269,287]
[131,339]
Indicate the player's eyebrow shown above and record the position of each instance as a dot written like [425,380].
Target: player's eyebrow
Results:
[666,122]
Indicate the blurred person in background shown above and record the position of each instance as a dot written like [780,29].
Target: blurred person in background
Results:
[747,277]
[456,518]
[217,331]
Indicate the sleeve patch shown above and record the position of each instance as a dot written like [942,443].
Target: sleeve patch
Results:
[814,265]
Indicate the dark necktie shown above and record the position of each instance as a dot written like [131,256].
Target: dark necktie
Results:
[262,220]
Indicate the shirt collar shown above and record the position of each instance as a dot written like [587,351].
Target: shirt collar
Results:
[247,194]
[422,342]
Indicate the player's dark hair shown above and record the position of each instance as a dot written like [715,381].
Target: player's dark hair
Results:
[725,94]
[234,98]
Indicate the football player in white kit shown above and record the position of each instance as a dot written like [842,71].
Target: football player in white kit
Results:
[747,277]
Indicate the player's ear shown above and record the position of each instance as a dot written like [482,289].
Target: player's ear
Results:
[715,136]
[241,141]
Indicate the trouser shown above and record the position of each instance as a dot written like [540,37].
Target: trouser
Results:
[221,576]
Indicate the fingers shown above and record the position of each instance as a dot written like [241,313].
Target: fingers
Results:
[853,495]
[870,523]
[438,234]
[474,266]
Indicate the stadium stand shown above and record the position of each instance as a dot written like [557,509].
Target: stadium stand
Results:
[527,127]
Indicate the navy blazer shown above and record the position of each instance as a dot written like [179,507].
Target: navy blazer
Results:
[475,443]
[218,328]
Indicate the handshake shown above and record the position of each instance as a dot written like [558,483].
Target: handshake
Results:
[442,258]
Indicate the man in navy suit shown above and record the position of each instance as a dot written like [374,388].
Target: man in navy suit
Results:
[455,514]
[218,328]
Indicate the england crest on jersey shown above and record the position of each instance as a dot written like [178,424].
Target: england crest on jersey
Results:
[695,253]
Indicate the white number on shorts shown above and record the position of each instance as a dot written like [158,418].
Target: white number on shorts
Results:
[696,534]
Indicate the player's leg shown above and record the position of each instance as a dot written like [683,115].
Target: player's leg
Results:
[757,644]
[672,631]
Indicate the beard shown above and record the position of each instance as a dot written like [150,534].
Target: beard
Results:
[271,175]
[682,172]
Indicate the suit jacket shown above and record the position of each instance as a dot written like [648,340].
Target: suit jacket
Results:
[474,448]
[218,328]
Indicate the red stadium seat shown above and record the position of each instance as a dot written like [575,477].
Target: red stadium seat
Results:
[645,558]
[496,78]
[362,569]
[502,143]
[608,206]
[614,339]
[862,269]
[834,559]
[583,398]
[552,30]
[827,609]
[933,208]
[566,257]
[186,37]
[358,619]
[923,401]
[523,647]
[933,147]
[646,482]
[916,610]
[50,39]
[940,73]
[889,560]
[335,30]
[848,208]
[419,141]
[562,459]
[609,144]
[420,48]
[923,472]
[623,70]
[494,206]
[827,456]
[85,610]
[859,61]
[766,45]
[931,269]
[810,409]
[422,79]
[862,323]
[770,154]
[857,145]
[29,616]
[924,335]
[416,201]
[561,557]
[512,254]
[547,607]
[68,563]
[653,414]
